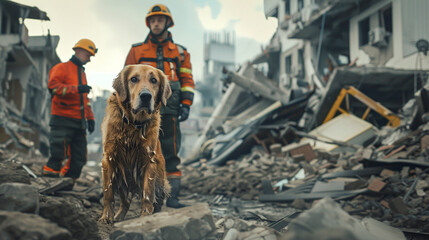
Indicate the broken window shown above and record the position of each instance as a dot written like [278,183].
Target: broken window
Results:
[300,5]
[4,23]
[301,57]
[14,93]
[288,62]
[364,32]
[287,7]
[385,18]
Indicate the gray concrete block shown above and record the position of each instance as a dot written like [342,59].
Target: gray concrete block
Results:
[194,222]
[19,197]
[16,225]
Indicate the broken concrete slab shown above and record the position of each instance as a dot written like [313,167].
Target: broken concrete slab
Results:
[16,225]
[327,214]
[69,213]
[328,186]
[19,197]
[195,222]
[265,89]
[345,128]
[13,172]
[276,149]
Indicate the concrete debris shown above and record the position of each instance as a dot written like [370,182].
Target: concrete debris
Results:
[16,225]
[195,222]
[238,178]
[327,220]
[345,128]
[322,137]
[69,213]
[237,229]
[382,174]
[75,211]
[13,172]
[19,197]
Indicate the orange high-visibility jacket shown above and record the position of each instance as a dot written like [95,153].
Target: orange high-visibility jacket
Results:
[168,57]
[63,84]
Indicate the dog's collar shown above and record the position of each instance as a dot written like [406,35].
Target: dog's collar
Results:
[139,125]
[135,123]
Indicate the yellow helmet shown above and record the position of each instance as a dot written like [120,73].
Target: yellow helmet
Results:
[159,9]
[86,44]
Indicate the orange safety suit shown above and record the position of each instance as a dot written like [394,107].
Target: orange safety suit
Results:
[63,84]
[70,110]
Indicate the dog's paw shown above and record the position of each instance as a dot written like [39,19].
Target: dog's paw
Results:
[106,220]
[147,211]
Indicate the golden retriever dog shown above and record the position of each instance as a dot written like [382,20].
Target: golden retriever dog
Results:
[133,163]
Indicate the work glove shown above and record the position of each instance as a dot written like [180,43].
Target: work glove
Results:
[184,112]
[84,88]
[91,126]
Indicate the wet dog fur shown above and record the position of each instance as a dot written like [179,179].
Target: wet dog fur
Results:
[132,162]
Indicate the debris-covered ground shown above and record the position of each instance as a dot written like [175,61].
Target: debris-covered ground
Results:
[372,182]
[257,195]
[309,140]
[36,207]
[267,178]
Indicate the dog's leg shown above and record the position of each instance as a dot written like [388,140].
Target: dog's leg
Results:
[123,208]
[148,190]
[108,197]
[159,196]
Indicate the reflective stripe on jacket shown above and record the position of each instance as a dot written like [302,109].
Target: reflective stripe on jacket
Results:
[63,85]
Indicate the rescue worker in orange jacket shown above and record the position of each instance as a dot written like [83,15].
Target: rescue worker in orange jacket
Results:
[71,113]
[159,50]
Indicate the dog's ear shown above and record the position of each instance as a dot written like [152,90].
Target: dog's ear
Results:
[164,91]
[120,84]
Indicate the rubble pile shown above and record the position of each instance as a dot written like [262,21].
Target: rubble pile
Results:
[389,183]
[238,178]
[37,207]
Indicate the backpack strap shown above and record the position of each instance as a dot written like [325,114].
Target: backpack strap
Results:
[181,52]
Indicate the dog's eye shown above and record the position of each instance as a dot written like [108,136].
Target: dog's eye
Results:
[153,80]
[134,79]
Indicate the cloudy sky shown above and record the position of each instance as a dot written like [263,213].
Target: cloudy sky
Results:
[115,25]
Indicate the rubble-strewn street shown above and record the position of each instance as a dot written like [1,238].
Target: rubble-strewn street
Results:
[322,135]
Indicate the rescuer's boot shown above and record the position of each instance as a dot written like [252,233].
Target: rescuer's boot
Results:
[173,200]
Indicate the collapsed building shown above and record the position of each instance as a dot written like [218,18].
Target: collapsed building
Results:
[319,49]
[341,113]
[24,67]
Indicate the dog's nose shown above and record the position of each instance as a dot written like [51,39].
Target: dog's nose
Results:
[145,95]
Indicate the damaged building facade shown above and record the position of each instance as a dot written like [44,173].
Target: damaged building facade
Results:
[314,37]
[368,58]
[25,62]
[341,113]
